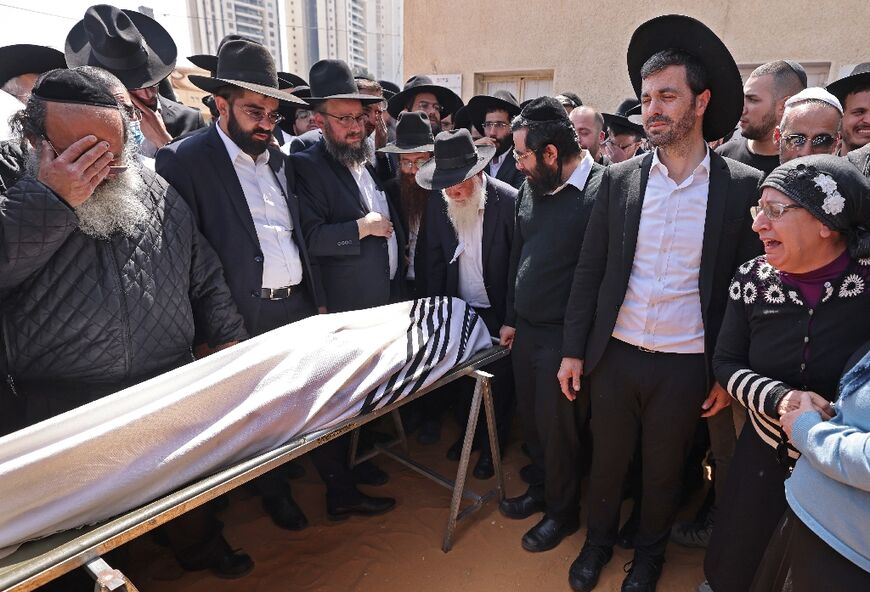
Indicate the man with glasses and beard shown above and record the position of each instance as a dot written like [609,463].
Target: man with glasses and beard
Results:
[552,212]
[104,277]
[764,96]
[421,94]
[493,115]
[810,125]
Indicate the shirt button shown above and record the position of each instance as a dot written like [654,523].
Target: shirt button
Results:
[258,258]
[803,367]
[806,339]
[811,312]
[255,293]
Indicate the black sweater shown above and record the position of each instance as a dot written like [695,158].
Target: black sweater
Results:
[547,238]
[767,345]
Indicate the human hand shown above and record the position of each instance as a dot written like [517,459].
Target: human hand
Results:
[77,171]
[153,127]
[506,336]
[374,224]
[486,141]
[805,403]
[380,130]
[792,401]
[570,371]
[716,401]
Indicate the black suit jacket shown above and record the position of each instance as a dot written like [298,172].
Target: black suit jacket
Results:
[442,276]
[179,119]
[509,173]
[355,273]
[201,171]
[606,258]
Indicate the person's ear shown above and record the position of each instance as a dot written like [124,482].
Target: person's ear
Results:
[702,102]
[550,154]
[223,106]
[777,135]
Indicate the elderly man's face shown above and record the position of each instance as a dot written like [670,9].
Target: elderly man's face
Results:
[340,133]
[462,192]
[759,108]
[67,123]
[804,124]
[856,120]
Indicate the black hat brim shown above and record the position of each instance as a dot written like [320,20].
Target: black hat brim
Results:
[620,122]
[393,149]
[159,47]
[291,79]
[211,85]
[676,31]
[24,58]
[480,104]
[449,100]
[429,176]
[204,61]
[842,87]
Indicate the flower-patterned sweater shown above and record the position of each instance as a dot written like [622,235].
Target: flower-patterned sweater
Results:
[771,341]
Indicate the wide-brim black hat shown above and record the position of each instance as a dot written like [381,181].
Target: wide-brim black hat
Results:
[391,89]
[449,100]
[413,134]
[290,80]
[24,58]
[501,99]
[456,159]
[248,65]
[130,45]
[332,79]
[677,31]
[841,88]
[205,61]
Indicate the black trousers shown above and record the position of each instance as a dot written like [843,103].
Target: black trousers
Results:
[330,459]
[654,398]
[551,423]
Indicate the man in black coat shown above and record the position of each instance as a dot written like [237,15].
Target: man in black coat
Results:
[666,233]
[237,186]
[492,115]
[468,241]
[347,219]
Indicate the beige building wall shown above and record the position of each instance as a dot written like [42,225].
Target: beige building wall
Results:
[581,45]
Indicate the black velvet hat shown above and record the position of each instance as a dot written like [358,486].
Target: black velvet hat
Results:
[73,86]
[456,160]
[413,134]
[500,99]
[332,79]
[248,65]
[545,109]
[449,100]
[462,119]
[24,58]
[677,31]
[290,80]
[625,120]
[130,45]
[841,88]
[833,190]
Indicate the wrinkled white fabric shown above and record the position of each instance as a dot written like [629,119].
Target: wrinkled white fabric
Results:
[129,448]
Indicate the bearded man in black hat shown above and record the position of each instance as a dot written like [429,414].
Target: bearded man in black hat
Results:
[420,93]
[493,115]
[107,254]
[141,53]
[625,133]
[468,241]
[650,289]
[552,212]
[854,94]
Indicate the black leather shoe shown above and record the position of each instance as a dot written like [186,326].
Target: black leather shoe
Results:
[521,507]
[285,513]
[217,557]
[584,572]
[644,572]
[625,538]
[455,450]
[430,433]
[484,468]
[547,534]
[360,505]
[532,474]
[368,473]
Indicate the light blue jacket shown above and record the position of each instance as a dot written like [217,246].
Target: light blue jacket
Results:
[829,489]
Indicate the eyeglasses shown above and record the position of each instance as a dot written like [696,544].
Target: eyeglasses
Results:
[520,157]
[794,141]
[407,165]
[114,169]
[348,120]
[773,210]
[427,106]
[258,114]
[499,125]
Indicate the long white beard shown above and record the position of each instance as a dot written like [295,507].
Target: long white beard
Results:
[464,216]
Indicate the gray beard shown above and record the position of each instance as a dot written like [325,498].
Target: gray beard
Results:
[347,155]
[116,205]
[464,217]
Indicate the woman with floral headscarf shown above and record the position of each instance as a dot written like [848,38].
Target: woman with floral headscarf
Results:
[795,316]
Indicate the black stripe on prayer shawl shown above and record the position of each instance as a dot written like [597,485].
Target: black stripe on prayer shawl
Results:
[467,323]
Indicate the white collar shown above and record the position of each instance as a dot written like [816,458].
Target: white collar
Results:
[704,164]
[580,175]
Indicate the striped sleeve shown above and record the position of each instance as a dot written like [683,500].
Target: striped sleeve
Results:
[757,392]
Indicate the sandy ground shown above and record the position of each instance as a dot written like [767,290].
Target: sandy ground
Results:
[400,550]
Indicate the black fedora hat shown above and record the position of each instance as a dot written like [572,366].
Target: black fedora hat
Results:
[248,65]
[332,79]
[290,80]
[841,88]
[677,31]
[626,119]
[449,100]
[413,134]
[456,160]
[462,119]
[391,89]
[24,58]
[207,61]
[130,45]
[500,99]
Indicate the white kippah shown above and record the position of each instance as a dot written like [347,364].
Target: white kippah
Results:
[815,93]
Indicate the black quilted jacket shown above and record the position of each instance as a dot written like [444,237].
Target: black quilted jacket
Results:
[85,311]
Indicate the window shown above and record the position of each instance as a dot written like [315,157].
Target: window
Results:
[523,85]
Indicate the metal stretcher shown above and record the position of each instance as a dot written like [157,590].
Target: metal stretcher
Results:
[38,562]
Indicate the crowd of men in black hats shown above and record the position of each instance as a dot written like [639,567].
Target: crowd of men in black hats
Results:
[599,247]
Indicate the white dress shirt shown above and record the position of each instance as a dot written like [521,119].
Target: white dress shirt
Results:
[272,222]
[580,175]
[662,306]
[376,201]
[413,234]
[496,162]
[469,252]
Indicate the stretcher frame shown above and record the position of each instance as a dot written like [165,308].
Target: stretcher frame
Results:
[38,562]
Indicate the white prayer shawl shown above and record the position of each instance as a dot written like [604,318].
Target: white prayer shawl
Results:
[129,448]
